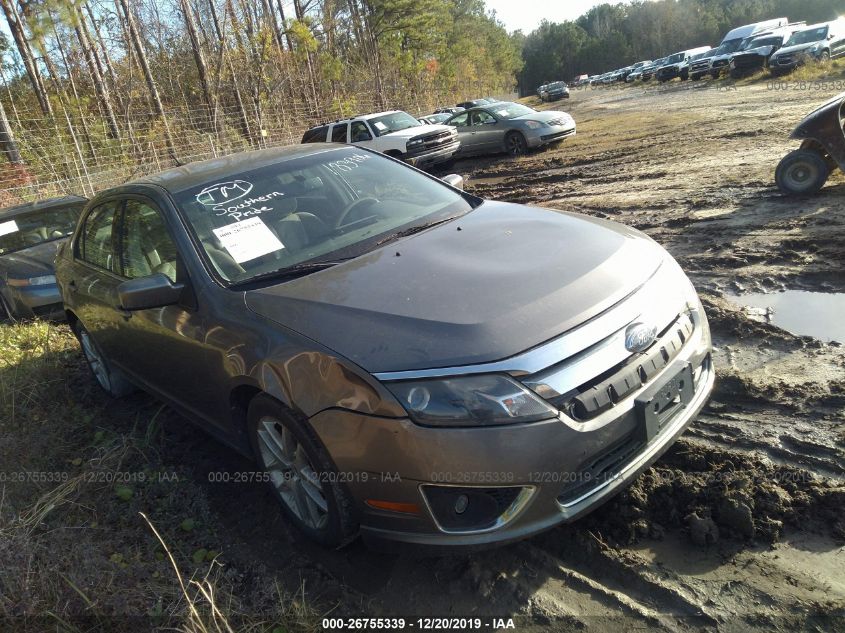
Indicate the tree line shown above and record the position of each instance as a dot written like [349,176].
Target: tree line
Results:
[90,84]
[612,36]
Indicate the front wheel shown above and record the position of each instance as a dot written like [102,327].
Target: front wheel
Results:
[111,381]
[515,144]
[801,172]
[301,473]
[825,57]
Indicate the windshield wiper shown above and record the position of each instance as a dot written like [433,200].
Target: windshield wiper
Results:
[290,272]
[412,230]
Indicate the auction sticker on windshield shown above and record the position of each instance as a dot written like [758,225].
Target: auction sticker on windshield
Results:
[8,227]
[248,239]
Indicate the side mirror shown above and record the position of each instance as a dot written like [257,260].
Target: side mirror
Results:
[455,180]
[152,291]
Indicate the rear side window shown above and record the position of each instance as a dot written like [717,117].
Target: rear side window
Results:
[97,238]
[339,133]
[316,135]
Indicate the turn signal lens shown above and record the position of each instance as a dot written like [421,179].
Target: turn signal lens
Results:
[393,506]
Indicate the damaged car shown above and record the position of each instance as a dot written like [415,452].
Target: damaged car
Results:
[403,360]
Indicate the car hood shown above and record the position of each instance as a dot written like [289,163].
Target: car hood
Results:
[511,278]
[419,130]
[797,48]
[30,262]
[544,117]
[765,51]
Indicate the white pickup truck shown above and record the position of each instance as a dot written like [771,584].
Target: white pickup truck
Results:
[394,133]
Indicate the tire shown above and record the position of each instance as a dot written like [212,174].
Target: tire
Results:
[735,74]
[515,144]
[802,172]
[824,58]
[6,314]
[111,381]
[715,74]
[300,472]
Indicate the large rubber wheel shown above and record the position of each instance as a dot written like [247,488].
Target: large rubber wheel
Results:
[824,57]
[301,474]
[515,144]
[801,172]
[6,313]
[111,381]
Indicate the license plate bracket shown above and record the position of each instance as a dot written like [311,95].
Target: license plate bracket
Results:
[661,402]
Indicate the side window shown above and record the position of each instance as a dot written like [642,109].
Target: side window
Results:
[360,132]
[316,135]
[97,238]
[459,120]
[339,133]
[481,118]
[145,244]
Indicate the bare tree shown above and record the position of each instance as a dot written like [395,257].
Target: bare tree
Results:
[155,97]
[7,139]
[16,27]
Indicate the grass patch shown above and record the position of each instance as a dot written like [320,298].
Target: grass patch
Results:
[99,526]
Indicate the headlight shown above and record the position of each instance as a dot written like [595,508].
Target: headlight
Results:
[534,125]
[482,400]
[44,280]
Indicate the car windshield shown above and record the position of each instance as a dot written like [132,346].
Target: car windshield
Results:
[674,59]
[30,229]
[437,118]
[316,209]
[731,46]
[508,110]
[807,37]
[393,122]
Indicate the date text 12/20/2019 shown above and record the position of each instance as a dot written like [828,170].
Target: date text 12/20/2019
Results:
[422,624]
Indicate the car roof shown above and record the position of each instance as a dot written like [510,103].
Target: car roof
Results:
[178,179]
[46,203]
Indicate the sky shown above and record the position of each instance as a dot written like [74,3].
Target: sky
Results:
[527,14]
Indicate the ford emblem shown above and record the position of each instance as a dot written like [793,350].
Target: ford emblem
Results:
[639,336]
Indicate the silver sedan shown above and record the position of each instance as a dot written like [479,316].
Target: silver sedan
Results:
[509,127]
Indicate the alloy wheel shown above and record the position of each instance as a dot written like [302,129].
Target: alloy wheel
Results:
[516,144]
[95,360]
[292,473]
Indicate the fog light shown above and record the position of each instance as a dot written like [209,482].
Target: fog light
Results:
[461,504]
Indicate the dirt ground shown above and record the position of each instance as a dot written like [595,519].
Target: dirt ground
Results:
[741,525]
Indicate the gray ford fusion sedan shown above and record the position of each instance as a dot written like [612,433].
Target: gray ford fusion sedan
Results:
[404,360]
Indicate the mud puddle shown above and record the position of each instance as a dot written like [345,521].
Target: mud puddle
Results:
[802,312]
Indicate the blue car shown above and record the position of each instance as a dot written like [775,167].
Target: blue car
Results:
[30,234]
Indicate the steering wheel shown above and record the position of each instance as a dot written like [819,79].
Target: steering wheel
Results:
[353,205]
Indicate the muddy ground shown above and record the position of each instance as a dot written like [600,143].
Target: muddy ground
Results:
[741,525]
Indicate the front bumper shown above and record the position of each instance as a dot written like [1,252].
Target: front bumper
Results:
[426,158]
[29,302]
[395,459]
[545,135]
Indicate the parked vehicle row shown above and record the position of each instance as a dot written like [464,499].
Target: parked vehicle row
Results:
[777,45]
[489,127]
